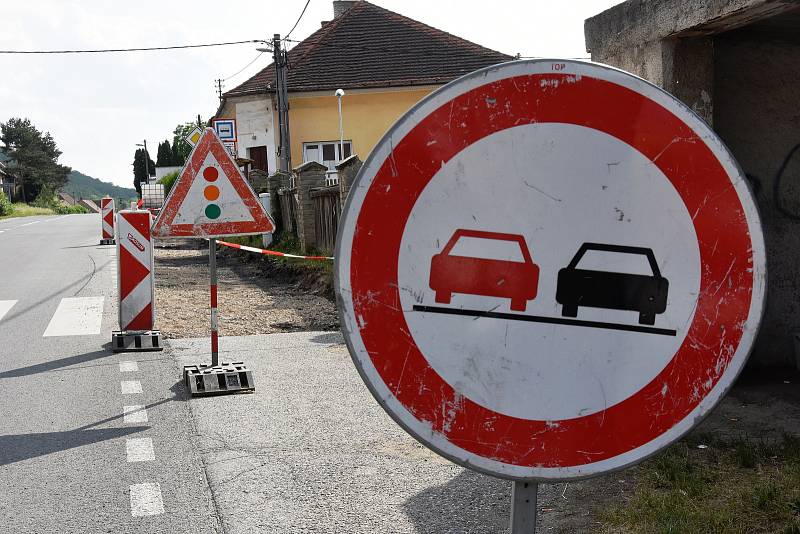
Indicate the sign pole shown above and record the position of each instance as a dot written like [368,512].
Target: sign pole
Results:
[523,507]
[212,262]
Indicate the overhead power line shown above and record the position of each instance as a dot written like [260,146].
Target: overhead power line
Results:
[142,49]
[243,68]
[298,19]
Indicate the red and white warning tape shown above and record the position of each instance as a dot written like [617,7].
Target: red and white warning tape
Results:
[272,252]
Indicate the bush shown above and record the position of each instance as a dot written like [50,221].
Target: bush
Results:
[168,180]
[65,209]
[6,207]
[46,199]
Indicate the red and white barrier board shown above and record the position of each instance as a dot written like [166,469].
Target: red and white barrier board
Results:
[107,218]
[135,276]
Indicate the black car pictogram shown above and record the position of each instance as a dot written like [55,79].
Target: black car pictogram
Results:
[646,294]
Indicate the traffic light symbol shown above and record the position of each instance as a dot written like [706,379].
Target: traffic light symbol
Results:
[211,192]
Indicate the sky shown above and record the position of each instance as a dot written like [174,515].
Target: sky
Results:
[99,106]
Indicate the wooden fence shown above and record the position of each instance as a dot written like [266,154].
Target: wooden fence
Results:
[327,209]
[289,209]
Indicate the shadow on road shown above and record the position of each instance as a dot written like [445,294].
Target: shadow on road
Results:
[80,246]
[54,365]
[332,338]
[18,447]
[470,502]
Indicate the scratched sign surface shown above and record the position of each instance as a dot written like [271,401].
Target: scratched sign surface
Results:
[549,270]
[211,197]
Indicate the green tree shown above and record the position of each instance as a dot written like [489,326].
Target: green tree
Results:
[164,154]
[180,147]
[33,157]
[139,172]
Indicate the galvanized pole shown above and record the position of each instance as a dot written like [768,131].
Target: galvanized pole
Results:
[523,507]
[282,95]
[339,95]
[212,267]
[146,165]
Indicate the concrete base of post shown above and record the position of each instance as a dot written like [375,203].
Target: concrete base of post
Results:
[108,241]
[144,341]
[232,377]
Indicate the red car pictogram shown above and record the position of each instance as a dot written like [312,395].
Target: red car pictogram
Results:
[479,276]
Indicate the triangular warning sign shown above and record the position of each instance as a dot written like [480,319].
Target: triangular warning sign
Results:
[211,197]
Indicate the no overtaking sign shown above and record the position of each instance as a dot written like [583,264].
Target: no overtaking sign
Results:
[549,270]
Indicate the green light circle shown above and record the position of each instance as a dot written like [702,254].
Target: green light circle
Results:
[213,211]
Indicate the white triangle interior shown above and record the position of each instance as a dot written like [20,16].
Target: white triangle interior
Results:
[193,208]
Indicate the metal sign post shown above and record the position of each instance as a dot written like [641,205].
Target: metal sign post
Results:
[523,507]
[548,270]
[212,268]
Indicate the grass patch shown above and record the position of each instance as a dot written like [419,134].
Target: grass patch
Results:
[24,210]
[708,484]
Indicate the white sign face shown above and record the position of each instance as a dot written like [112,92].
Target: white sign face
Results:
[548,270]
[225,129]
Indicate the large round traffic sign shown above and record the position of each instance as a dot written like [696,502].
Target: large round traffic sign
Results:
[549,269]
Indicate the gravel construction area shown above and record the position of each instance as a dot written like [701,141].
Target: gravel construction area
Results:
[255,296]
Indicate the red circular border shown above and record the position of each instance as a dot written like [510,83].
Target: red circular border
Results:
[725,254]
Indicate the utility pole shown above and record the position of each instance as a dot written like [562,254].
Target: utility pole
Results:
[219,88]
[282,94]
[146,158]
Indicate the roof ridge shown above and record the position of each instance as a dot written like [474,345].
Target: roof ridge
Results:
[427,27]
[321,32]
[371,46]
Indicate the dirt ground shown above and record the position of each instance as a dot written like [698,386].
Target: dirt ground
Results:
[255,297]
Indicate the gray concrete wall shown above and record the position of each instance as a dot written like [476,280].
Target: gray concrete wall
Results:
[634,22]
[757,114]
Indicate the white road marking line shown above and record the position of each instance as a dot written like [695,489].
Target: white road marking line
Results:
[146,500]
[139,450]
[27,224]
[1,231]
[134,414]
[76,316]
[126,367]
[129,387]
[5,306]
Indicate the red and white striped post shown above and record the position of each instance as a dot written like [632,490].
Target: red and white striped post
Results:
[212,267]
[135,283]
[107,221]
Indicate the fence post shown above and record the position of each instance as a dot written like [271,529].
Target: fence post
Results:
[347,170]
[277,181]
[310,175]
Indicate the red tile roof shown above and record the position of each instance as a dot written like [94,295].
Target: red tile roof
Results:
[369,46]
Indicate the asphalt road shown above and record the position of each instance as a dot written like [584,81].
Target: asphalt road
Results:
[70,461]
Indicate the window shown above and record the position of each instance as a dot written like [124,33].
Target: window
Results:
[259,156]
[326,152]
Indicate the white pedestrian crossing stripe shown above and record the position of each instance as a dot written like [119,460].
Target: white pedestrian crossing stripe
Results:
[130,387]
[139,450]
[5,306]
[128,367]
[134,414]
[76,316]
[146,500]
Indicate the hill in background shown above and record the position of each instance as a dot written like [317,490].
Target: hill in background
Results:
[82,186]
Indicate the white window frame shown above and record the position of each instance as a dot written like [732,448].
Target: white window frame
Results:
[331,176]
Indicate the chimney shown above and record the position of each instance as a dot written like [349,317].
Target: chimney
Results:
[340,6]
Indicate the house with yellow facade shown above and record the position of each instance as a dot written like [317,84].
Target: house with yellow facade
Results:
[383,61]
